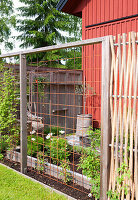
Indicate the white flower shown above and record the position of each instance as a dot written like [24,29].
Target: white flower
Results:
[32,132]
[49,135]
[33,139]
[89,195]
[62,132]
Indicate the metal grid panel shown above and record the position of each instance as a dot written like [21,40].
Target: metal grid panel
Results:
[58,115]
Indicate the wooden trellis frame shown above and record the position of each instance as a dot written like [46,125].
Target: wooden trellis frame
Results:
[119,90]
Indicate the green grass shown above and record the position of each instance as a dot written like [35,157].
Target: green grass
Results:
[13,186]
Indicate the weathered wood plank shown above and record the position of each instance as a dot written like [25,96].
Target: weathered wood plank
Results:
[23,114]
[105,118]
[56,47]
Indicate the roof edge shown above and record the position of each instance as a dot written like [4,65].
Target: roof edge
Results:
[61,4]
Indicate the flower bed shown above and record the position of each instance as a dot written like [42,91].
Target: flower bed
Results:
[51,169]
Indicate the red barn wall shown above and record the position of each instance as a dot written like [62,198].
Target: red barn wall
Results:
[98,11]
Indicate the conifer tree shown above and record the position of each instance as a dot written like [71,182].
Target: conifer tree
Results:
[42,25]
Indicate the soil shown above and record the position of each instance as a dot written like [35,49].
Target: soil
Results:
[78,193]
[75,160]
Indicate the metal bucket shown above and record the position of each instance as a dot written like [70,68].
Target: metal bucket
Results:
[84,121]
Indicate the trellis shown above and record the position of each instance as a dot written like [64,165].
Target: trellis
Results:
[124,113]
[119,108]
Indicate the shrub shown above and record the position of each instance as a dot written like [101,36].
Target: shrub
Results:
[34,145]
[4,143]
[8,142]
[66,175]
[59,149]
[8,101]
[90,162]
[40,162]
[1,156]
[54,130]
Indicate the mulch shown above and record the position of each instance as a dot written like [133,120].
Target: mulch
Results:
[78,193]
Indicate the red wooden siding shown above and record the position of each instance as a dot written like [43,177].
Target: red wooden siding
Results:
[95,12]
[92,64]
[98,11]
[115,28]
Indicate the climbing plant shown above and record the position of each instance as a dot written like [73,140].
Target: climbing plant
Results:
[90,161]
[8,101]
[122,181]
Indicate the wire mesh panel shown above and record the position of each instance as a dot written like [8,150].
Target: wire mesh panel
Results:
[61,130]
[63,117]
[55,96]
[92,80]
[50,116]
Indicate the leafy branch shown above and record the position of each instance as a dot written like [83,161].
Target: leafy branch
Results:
[8,101]
[121,183]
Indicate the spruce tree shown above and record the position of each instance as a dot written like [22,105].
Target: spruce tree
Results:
[42,25]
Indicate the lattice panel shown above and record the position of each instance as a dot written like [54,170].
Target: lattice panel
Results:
[124,116]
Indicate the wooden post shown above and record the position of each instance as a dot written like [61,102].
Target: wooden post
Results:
[105,118]
[23,114]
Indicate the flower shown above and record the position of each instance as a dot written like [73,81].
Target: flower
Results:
[32,132]
[33,139]
[62,132]
[89,195]
[49,135]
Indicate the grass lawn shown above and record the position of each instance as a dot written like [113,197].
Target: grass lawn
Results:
[16,187]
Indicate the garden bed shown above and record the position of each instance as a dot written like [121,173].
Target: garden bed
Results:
[64,164]
[51,169]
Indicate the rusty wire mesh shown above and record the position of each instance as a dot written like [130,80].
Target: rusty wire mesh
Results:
[63,103]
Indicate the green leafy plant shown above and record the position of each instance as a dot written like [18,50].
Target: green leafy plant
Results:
[13,141]
[8,102]
[124,174]
[1,156]
[66,175]
[40,161]
[90,161]
[4,143]
[39,85]
[59,149]
[8,142]
[34,144]
[54,130]
[79,149]
[95,136]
